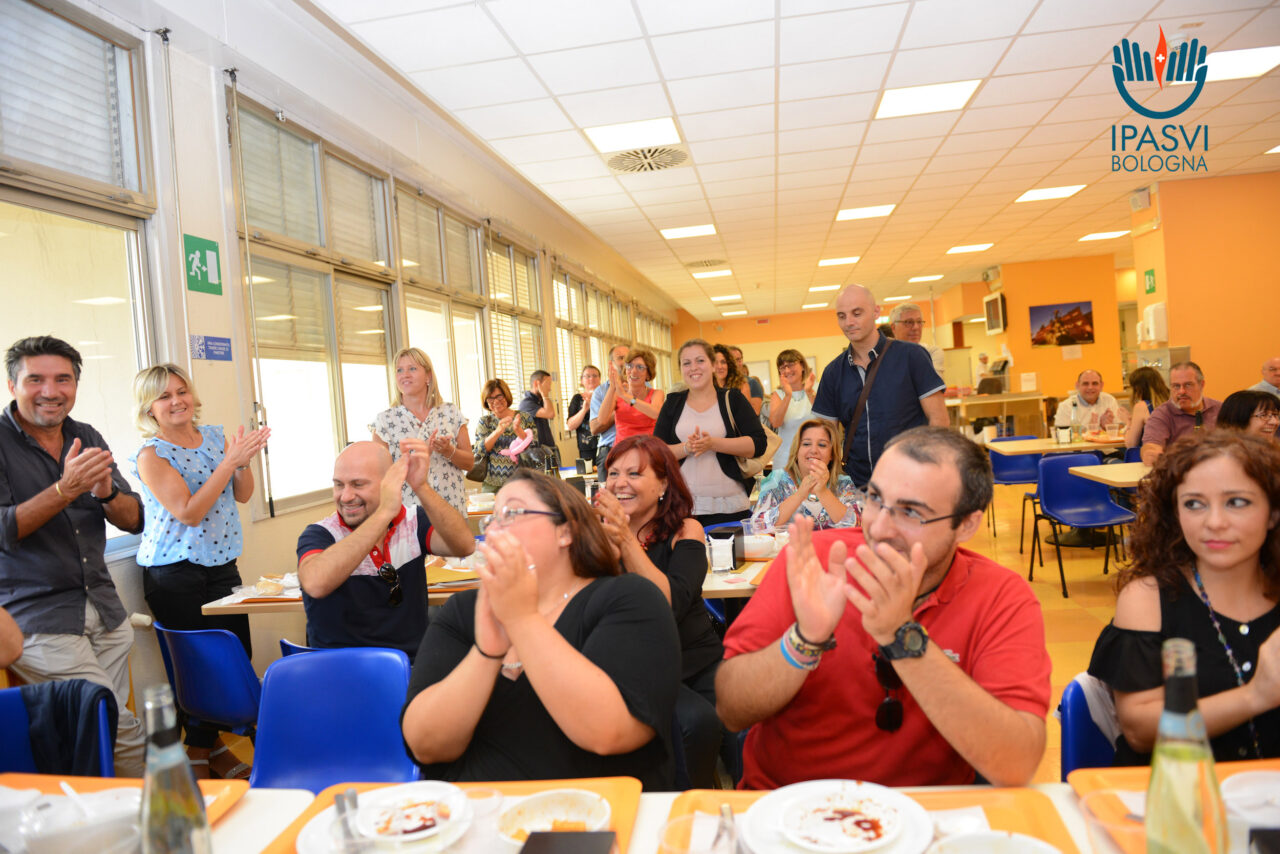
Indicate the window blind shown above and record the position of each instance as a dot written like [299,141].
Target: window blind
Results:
[419,238]
[506,357]
[289,311]
[361,323]
[460,259]
[357,213]
[526,280]
[280,180]
[500,272]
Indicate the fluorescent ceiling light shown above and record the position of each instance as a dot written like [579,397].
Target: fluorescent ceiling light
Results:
[1275,150]
[976,319]
[1045,193]
[370,332]
[733,313]
[405,262]
[88,343]
[923,279]
[973,247]
[817,288]
[688,231]
[897,299]
[727,298]
[713,274]
[279,317]
[1240,64]
[864,213]
[368,308]
[840,262]
[100,301]
[627,135]
[1103,235]
[814,305]
[933,98]
[262,280]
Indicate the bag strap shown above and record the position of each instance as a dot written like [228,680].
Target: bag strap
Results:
[728,407]
[861,405]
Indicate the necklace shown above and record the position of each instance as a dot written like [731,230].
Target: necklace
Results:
[515,666]
[1231,656]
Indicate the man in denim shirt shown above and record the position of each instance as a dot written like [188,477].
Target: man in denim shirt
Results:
[58,489]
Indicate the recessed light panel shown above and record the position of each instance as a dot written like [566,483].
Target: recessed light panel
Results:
[840,262]
[864,213]
[629,135]
[1046,193]
[1241,64]
[100,301]
[973,247]
[933,98]
[733,313]
[727,298]
[1275,150]
[814,305]
[817,288]
[713,274]
[1103,235]
[897,299]
[688,231]
[914,279]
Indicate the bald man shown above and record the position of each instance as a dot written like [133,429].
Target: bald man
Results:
[362,568]
[1270,377]
[1094,408]
[906,391]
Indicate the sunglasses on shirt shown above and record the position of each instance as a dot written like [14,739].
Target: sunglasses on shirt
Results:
[889,712]
[391,576]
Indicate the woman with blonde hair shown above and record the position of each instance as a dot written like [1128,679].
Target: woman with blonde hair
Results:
[192,476]
[812,483]
[421,413]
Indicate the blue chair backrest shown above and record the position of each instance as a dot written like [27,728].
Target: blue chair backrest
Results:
[15,738]
[288,647]
[213,679]
[333,716]
[1061,490]
[1083,744]
[1133,455]
[1020,468]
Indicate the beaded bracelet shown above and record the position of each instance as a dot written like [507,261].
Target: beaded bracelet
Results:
[806,647]
[789,658]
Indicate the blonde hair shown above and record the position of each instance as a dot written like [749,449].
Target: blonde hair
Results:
[148,385]
[835,433]
[424,362]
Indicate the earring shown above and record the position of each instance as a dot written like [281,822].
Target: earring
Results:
[663,495]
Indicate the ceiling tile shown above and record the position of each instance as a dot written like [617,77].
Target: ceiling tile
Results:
[1068,49]
[827,36]
[696,212]
[671,16]
[945,64]
[715,51]
[887,151]
[832,77]
[886,189]
[998,118]
[726,123]
[569,190]
[1068,132]
[723,91]
[749,198]
[612,65]
[666,195]
[1023,88]
[352,11]
[816,196]
[1073,14]
[737,148]
[570,169]
[969,161]
[559,24]
[522,119]
[817,112]
[732,169]
[1101,109]
[479,84]
[894,169]
[937,22]
[724,189]
[615,106]
[543,146]
[817,139]
[963,143]
[958,178]
[1261,32]
[833,157]
[654,180]
[435,39]
[1054,154]
[911,127]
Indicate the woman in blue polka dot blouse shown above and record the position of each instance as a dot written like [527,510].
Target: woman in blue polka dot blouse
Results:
[191,478]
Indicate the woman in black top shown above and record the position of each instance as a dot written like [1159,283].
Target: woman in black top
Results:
[709,429]
[1206,566]
[645,511]
[579,418]
[557,667]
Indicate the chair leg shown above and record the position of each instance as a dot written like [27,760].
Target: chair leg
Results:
[991,516]
[1022,531]
[1106,554]
[1062,573]
[1035,540]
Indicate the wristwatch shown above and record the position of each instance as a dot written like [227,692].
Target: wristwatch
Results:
[115,490]
[910,641]
[633,401]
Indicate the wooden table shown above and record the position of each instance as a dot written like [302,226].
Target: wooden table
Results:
[1118,476]
[1018,447]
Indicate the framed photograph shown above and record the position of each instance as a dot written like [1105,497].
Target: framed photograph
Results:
[1062,324]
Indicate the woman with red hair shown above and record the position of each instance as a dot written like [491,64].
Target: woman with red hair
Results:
[645,508]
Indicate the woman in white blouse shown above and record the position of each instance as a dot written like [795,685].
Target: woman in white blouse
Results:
[791,404]
[422,414]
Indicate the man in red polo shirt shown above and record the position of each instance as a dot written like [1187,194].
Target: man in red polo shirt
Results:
[890,654]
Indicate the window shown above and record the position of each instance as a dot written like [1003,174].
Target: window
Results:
[87,270]
[452,335]
[460,269]
[357,212]
[363,354]
[281,180]
[513,276]
[517,350]
[419,239]
[70,107]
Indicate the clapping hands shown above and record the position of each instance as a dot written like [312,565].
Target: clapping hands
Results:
[698,442]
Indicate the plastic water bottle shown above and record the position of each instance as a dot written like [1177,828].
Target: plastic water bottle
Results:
[173,817]
[1184,804]
[1077,429]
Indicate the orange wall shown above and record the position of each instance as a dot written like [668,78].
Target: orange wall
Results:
[1222,257]
[1126,285]
[1061,281]
[1148,254]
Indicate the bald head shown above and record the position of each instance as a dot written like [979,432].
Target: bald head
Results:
[856,312]
[357,480]
[1089,386]
[1271,371]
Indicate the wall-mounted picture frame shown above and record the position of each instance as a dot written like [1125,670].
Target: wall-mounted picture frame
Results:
[1062,324]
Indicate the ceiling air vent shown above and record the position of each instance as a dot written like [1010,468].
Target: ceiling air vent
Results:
[711,262]
[648,159]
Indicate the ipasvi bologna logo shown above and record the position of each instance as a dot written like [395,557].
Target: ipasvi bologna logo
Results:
[1170,147]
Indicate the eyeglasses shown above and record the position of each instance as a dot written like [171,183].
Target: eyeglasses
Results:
[391,576]
[1273,415]
[889,712]
[493,398]
[637,367]
[910,322]
[903,514]
[507,515]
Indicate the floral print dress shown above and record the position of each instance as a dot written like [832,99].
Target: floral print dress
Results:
[501,466]
[778,487]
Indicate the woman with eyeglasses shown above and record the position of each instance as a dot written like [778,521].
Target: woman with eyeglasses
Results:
[633,405]
[709,429]
[420,412]
[559,666]
[791,402]
[1205,565]
[579,417]
[644,508]
[1256,412]
[1148,390]
[811,485]
[496,431]
[192,477]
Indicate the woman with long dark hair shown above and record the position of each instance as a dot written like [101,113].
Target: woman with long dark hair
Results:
[1148,390]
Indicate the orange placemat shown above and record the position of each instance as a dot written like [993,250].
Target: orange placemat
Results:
[224,792]
[1018,810]
[759,578]
[1135,778]
[622,793]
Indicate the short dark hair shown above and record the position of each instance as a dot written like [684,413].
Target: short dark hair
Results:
[40,345]
[1240,406]
[494,386]
[536,376]
[590,552]
[922,444]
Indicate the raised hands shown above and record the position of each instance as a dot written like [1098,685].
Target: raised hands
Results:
[508,579]
[818,594]
[698,442]
[419,454]
[616,523]
[442,445]
[85,469]
[891,583]
[390,492]
[815,479]
[242,447]
[504,423]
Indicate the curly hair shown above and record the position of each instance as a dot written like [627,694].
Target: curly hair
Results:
[1157,546]
[734,377]
[676,504]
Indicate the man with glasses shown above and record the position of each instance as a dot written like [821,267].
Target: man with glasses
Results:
[362,568]
[908,325]
[1186,411]
[1270,382]
[888,653]
[603,426]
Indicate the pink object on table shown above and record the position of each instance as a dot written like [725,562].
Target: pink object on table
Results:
[513,450]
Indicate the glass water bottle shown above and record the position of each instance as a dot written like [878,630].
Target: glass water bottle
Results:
[173,817]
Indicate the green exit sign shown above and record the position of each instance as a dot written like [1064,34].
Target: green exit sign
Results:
[200,260]
[1149,277]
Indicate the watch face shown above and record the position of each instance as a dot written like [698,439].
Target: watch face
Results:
[913,641]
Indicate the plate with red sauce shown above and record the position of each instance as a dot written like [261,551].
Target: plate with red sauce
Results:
[837,817]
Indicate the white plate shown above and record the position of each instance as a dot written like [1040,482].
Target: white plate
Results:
[845,820]
[379,807]
[538,812]
[992,842]
[1254,796]
[314,836]
[762,825]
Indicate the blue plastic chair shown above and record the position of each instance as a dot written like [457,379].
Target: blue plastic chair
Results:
[1083,744]
[213,680]
[1074,502]
[1015,470]
[288,647]
[1133,455]
[15,741]
[333,716]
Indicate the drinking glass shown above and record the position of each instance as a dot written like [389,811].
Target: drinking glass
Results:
[692,834]
[1113,829]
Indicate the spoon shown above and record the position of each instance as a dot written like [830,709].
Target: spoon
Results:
[75,798]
